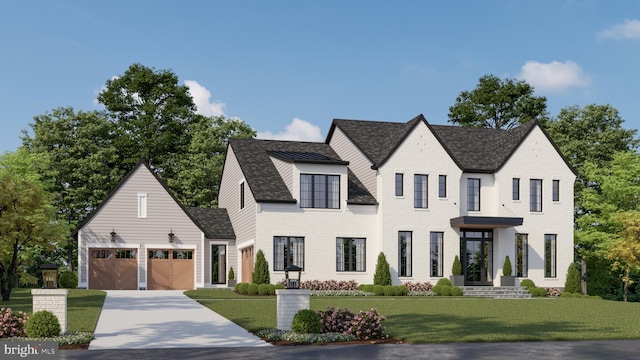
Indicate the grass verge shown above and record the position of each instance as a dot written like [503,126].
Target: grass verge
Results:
[441,320]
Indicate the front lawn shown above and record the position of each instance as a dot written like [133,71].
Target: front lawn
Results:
[441,320]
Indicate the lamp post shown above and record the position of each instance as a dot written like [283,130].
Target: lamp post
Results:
[292,283]
[49,276]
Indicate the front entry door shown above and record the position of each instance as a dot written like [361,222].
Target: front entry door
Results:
[476,248]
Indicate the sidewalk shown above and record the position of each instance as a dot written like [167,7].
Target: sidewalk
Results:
[164,319]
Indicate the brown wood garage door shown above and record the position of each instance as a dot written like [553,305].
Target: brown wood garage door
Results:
[170,269]
[113,269]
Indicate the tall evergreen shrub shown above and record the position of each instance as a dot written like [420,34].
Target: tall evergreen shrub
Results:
[506,268]
[382,276]
[261,270]
[572,284]
[456,269]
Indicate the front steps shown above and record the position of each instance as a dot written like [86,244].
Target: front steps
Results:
[497,292]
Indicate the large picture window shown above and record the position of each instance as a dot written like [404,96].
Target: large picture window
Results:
[287,250]
[350,254]
[436,254]
[535,195]
[420,191]
[320,191]
[522,255]
[550,255]
[473,194]
[404,253]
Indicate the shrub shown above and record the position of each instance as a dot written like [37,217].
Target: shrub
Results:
[446,290]
[266,289]
[506,268]
[400,290]
[252,289]
[444,282]
[368,325]
[260,270]
[456,291]
[306,321]
[378,290]
[329,285]
[366,288]
[419,287]
[538,292]
[382,276]
[456,269]
[335,320]
[388,290]
[43,324]
[68,280]
[12,325]
[242,288]
[565,294]
[572,284]
[279,287]
[553,292]
[527,283]
[232,275]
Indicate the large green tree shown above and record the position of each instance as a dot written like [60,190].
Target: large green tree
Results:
[498,103]
[625,252]
[27,219]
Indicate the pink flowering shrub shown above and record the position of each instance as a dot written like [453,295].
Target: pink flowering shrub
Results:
[367,325]
[12,325]
[329,285]
[418,286]
[553,292]
[335,320]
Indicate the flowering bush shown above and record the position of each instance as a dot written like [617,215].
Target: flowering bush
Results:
[553,292]
[418,286]
[335,320]
[340,293]
[12,325]
[367,325]
[276,335]
[329,285]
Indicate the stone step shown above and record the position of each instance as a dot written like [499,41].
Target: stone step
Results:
[497,292]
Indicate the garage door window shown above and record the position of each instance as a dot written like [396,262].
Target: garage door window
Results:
[158,254]
[182,255]
[101,254]
[125,254]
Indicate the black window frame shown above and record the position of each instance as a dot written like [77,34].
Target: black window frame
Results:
[442,186]
[555,190]
[399,184]
[436,263]
[535,197]
[522,255]
[422,202]
[288,256]
[405,263]
[347,257]
[550,255]
[515,191]
[471,200]
[316,189]
[242,195]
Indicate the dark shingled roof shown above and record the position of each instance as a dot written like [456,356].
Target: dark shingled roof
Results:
[472,149]
[264,179]
[214,222]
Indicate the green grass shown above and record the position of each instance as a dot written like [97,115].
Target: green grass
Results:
[440,320]
[83,307]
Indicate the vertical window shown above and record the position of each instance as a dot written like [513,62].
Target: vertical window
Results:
[287,250]
[535,195]
[556,190]
[442,186]
[320,191]
[550,255]
[350,254]
[516,189]
[142,205]
[399,184]
[522,255]
[404,253]
[420,191]
[242,195]
[436,254]
[473,194]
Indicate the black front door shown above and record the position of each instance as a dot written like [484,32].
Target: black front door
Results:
[476,248]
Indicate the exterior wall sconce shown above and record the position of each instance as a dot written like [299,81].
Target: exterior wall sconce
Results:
[171,236]
[113,235]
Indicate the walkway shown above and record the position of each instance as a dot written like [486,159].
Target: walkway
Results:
[164,319]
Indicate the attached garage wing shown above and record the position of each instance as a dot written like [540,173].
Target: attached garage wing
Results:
[170,269]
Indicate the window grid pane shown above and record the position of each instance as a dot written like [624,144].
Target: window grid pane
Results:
[550,255]
[556,190]
[442,186]
[399,184]
[522,255]
[473,194]
[535,195]
[350,254]
[320,191]
[516,189]
[404,261]
[306,194]
[436,254]
[420,191]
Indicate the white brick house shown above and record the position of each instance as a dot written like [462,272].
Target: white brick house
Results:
[420,193]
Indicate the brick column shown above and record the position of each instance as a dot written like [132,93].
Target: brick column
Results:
[54,300]
[290,301]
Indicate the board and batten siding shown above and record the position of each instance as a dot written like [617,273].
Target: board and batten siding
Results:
[120,214]
[358,163]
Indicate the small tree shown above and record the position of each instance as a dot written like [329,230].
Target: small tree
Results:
[261,270]
[232,275]
[506,268]
[382,276]
[456,269]
[572,284]
[625,252]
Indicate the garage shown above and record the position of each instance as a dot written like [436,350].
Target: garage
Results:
[113,269]
[170,269]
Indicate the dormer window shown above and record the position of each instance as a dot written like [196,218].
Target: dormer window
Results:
[320,191]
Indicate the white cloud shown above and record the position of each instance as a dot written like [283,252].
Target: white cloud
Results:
[298,130]
[201,97]
[554,76]
[630,29]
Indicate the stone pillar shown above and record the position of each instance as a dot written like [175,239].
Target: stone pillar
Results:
[54,300]
[290,301]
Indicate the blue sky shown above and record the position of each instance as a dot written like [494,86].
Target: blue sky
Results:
[287,68]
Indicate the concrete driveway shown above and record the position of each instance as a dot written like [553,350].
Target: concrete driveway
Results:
[164,319]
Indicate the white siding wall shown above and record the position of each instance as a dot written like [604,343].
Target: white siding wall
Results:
[358,163]
[120,214]
[285,170]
